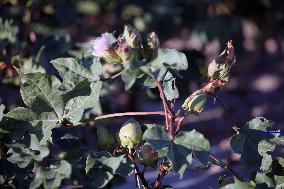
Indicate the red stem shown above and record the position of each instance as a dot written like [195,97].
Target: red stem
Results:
[138,173]
[164,103]
[179,124]
[163,170]
[125,114]
[169,116]
[129,114]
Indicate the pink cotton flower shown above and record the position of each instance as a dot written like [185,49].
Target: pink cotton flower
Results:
[102,47]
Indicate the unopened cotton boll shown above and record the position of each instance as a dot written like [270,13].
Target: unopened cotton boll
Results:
[195,103]
[130,134]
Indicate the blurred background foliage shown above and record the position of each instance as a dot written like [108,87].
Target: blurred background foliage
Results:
[33,32]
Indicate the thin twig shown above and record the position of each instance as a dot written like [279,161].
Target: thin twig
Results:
[111,77]
[169,115]
[220,101]
[179,124]
[166,108]
[140,175]
[74,186]
[216,160]
[163,170]
[136,180]
[125,114]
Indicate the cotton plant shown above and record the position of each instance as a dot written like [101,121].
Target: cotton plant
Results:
[41,144]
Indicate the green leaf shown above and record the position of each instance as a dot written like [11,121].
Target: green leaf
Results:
[73,72]
[179,157]
[41,93]
[75,107]
[278,139]
[157,136]
[20,155]
[279,181]
[263,148]
[130,73]
[51,177]
[32,64]
[280,160]
[20,120]
[246,142]
[81,89]
[23,155]
[169,87]
[2,108]
[105,140]
[239,185]
[262,178]
[179,151]
[220,71]
[150,82]
[96,67]
[101,167]
[125,169]
[168,58]
[8,31]
[277,167]
[260,123]
[43,151]
[197,143]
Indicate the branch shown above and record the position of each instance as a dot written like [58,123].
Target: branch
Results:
[166,108]
[179,124]
[111,77]
[125,114]
[163,171]
[208,88]
[216,160]
[137,180]
[138,173]
[169,116]
[74,186]
[220,101]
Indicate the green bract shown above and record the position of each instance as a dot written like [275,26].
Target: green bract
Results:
[195,104]
[130,134]
[132,37]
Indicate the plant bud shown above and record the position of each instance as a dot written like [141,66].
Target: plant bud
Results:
[102,47]
[153,45]
[153,40]
[220,67]
[195,103]
[130,134]
[105,139]
[132,37]
[147,155]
